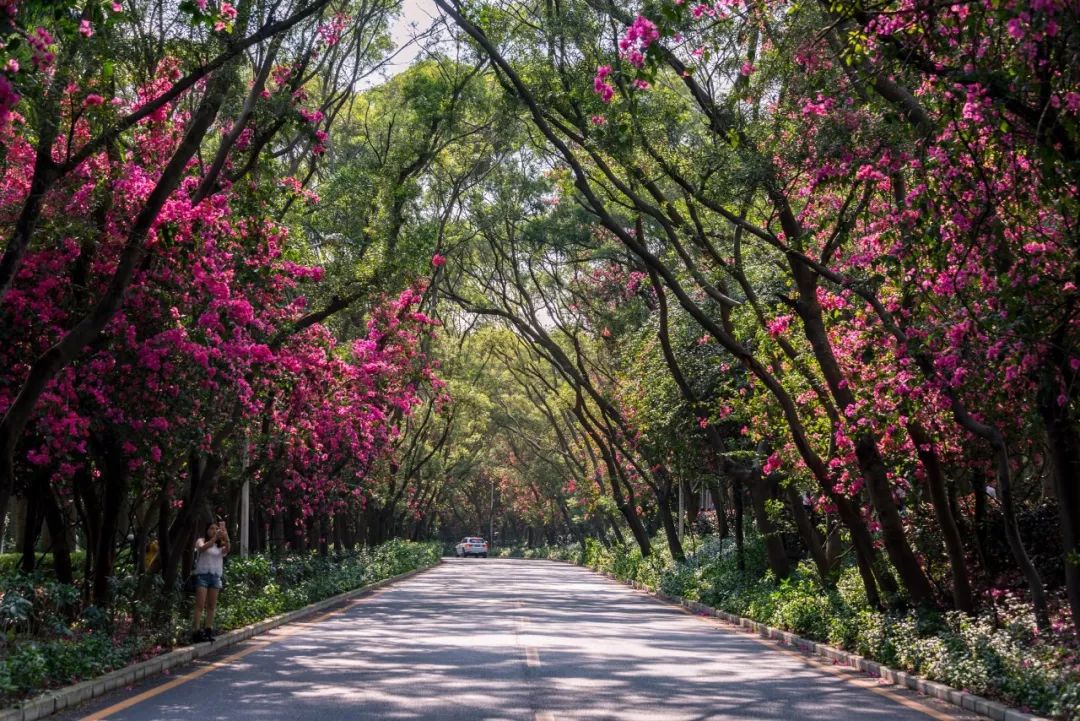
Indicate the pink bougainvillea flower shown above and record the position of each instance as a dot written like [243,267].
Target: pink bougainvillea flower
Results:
[601,85]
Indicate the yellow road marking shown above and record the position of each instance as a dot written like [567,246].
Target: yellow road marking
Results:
[532,657]
[287,631]
[129,702]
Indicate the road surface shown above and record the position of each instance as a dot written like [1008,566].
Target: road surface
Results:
[488,639]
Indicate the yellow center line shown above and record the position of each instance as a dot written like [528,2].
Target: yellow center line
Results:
[278,634]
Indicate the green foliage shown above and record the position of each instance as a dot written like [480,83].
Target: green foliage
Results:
[32,665]
[573,553]
[34,604]
[9,562]
[259,587]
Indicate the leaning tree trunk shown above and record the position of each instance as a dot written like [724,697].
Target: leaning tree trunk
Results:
[761,491]
[664,499]
[868,455]
[810,536]
[939,499]
[865,551]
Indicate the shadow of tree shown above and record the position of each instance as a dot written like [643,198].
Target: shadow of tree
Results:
[453,644]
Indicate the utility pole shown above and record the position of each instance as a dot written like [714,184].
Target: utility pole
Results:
[245,506]
[491,516]
[682,509]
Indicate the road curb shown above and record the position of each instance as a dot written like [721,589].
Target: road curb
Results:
[70,696]
[933,689]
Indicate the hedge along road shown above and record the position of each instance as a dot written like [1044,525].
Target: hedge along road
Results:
[515,640]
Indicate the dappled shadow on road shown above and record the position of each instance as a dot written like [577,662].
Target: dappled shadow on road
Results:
[492,639]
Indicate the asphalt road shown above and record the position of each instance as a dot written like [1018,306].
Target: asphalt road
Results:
[487,639]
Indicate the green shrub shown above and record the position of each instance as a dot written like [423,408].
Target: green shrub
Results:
[801,606]
[9,562]
[33,664]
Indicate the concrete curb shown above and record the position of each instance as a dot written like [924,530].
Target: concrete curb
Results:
[69,696]
[967,701]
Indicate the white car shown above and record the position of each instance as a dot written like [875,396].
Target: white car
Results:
[471,546]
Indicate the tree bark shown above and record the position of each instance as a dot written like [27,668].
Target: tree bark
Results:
[811,538]
[939,498]
[1064,443]
[761,490]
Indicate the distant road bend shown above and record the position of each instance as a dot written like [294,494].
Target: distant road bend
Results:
[489,639]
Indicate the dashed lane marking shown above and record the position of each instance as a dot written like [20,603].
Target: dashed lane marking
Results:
[532,657]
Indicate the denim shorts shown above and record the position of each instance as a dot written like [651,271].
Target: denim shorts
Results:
[207,580]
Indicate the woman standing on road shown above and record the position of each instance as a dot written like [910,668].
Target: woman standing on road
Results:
[209,567]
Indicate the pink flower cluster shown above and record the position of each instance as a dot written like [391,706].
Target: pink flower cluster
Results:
[636,41]
[601,85]
[8,100]
[41,41]
[332,31]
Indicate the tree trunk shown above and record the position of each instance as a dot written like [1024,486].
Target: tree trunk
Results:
[1064,442]
[629,512]
[116,483]
[939,497]
[664,499]
[761,490]
[871,464]
[324,536]
[737,508]
[31,531]
[56,522]
[278,534]
[810,536]
[719,508]
[615,530]
[693,504]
